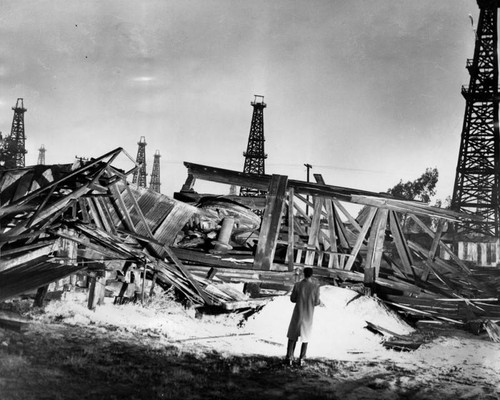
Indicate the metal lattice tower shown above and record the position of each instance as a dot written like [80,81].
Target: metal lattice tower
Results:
[41,155]
[476,189]
[255,156]
[154,183]
[139,177]
[13,147]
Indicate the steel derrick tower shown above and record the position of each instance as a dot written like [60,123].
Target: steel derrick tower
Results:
[154,183]
[41,155]
[13,147]
[476,189]
[139,177]
[255,156]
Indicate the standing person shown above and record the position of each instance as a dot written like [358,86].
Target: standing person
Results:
[305,295]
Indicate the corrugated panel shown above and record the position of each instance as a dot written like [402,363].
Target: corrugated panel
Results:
[164,215]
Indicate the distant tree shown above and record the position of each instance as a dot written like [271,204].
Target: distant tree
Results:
[422,188]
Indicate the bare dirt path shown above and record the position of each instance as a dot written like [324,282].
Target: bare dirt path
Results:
[58,361]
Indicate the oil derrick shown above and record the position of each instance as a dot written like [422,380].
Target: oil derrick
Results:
[476,189]
[13,147]
[255,156]
[139,177]
[41,155]
[154,183]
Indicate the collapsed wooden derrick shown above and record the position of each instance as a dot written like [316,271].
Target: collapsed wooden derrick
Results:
[57,220]
[426,279]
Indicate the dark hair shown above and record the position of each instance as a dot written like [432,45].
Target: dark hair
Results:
[308,271]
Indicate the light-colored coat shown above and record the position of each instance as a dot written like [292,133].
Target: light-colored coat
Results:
[305,295]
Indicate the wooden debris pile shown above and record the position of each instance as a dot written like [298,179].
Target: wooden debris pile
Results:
[59,219]
[422,278]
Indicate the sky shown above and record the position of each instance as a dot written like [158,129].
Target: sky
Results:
[366,91]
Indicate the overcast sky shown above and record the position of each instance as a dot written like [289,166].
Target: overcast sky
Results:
[366,91]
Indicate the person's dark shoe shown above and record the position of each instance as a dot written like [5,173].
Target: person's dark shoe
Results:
[300,363]
[288,362]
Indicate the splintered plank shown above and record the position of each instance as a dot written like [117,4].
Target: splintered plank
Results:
[270,223]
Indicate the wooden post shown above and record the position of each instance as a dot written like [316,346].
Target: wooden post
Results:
[143,282]
[333,261]
[271,222]
[153,283]
[40,295]
[291,230]
[375,248]
[314,232]
[93,296]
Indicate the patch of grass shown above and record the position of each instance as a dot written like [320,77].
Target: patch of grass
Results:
[12,363]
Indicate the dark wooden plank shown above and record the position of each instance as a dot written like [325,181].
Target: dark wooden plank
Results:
[291,230]
[271,223]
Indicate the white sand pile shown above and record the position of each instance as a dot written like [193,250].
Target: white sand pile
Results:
[339,326]
[166,318]
[338,330]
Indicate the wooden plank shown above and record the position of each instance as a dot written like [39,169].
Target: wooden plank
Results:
[452,255]
[291,229]
[111,155]
[261,182]
[314,231]
[333,222]
[361,238]
[271,222]
[187,274]
[376,246]
[125,215]
[401,245]
[349,217]
[333,260]
[55,207]
[105,215]
[95,216]
[31,255]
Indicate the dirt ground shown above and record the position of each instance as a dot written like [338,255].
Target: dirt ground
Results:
[60,361]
